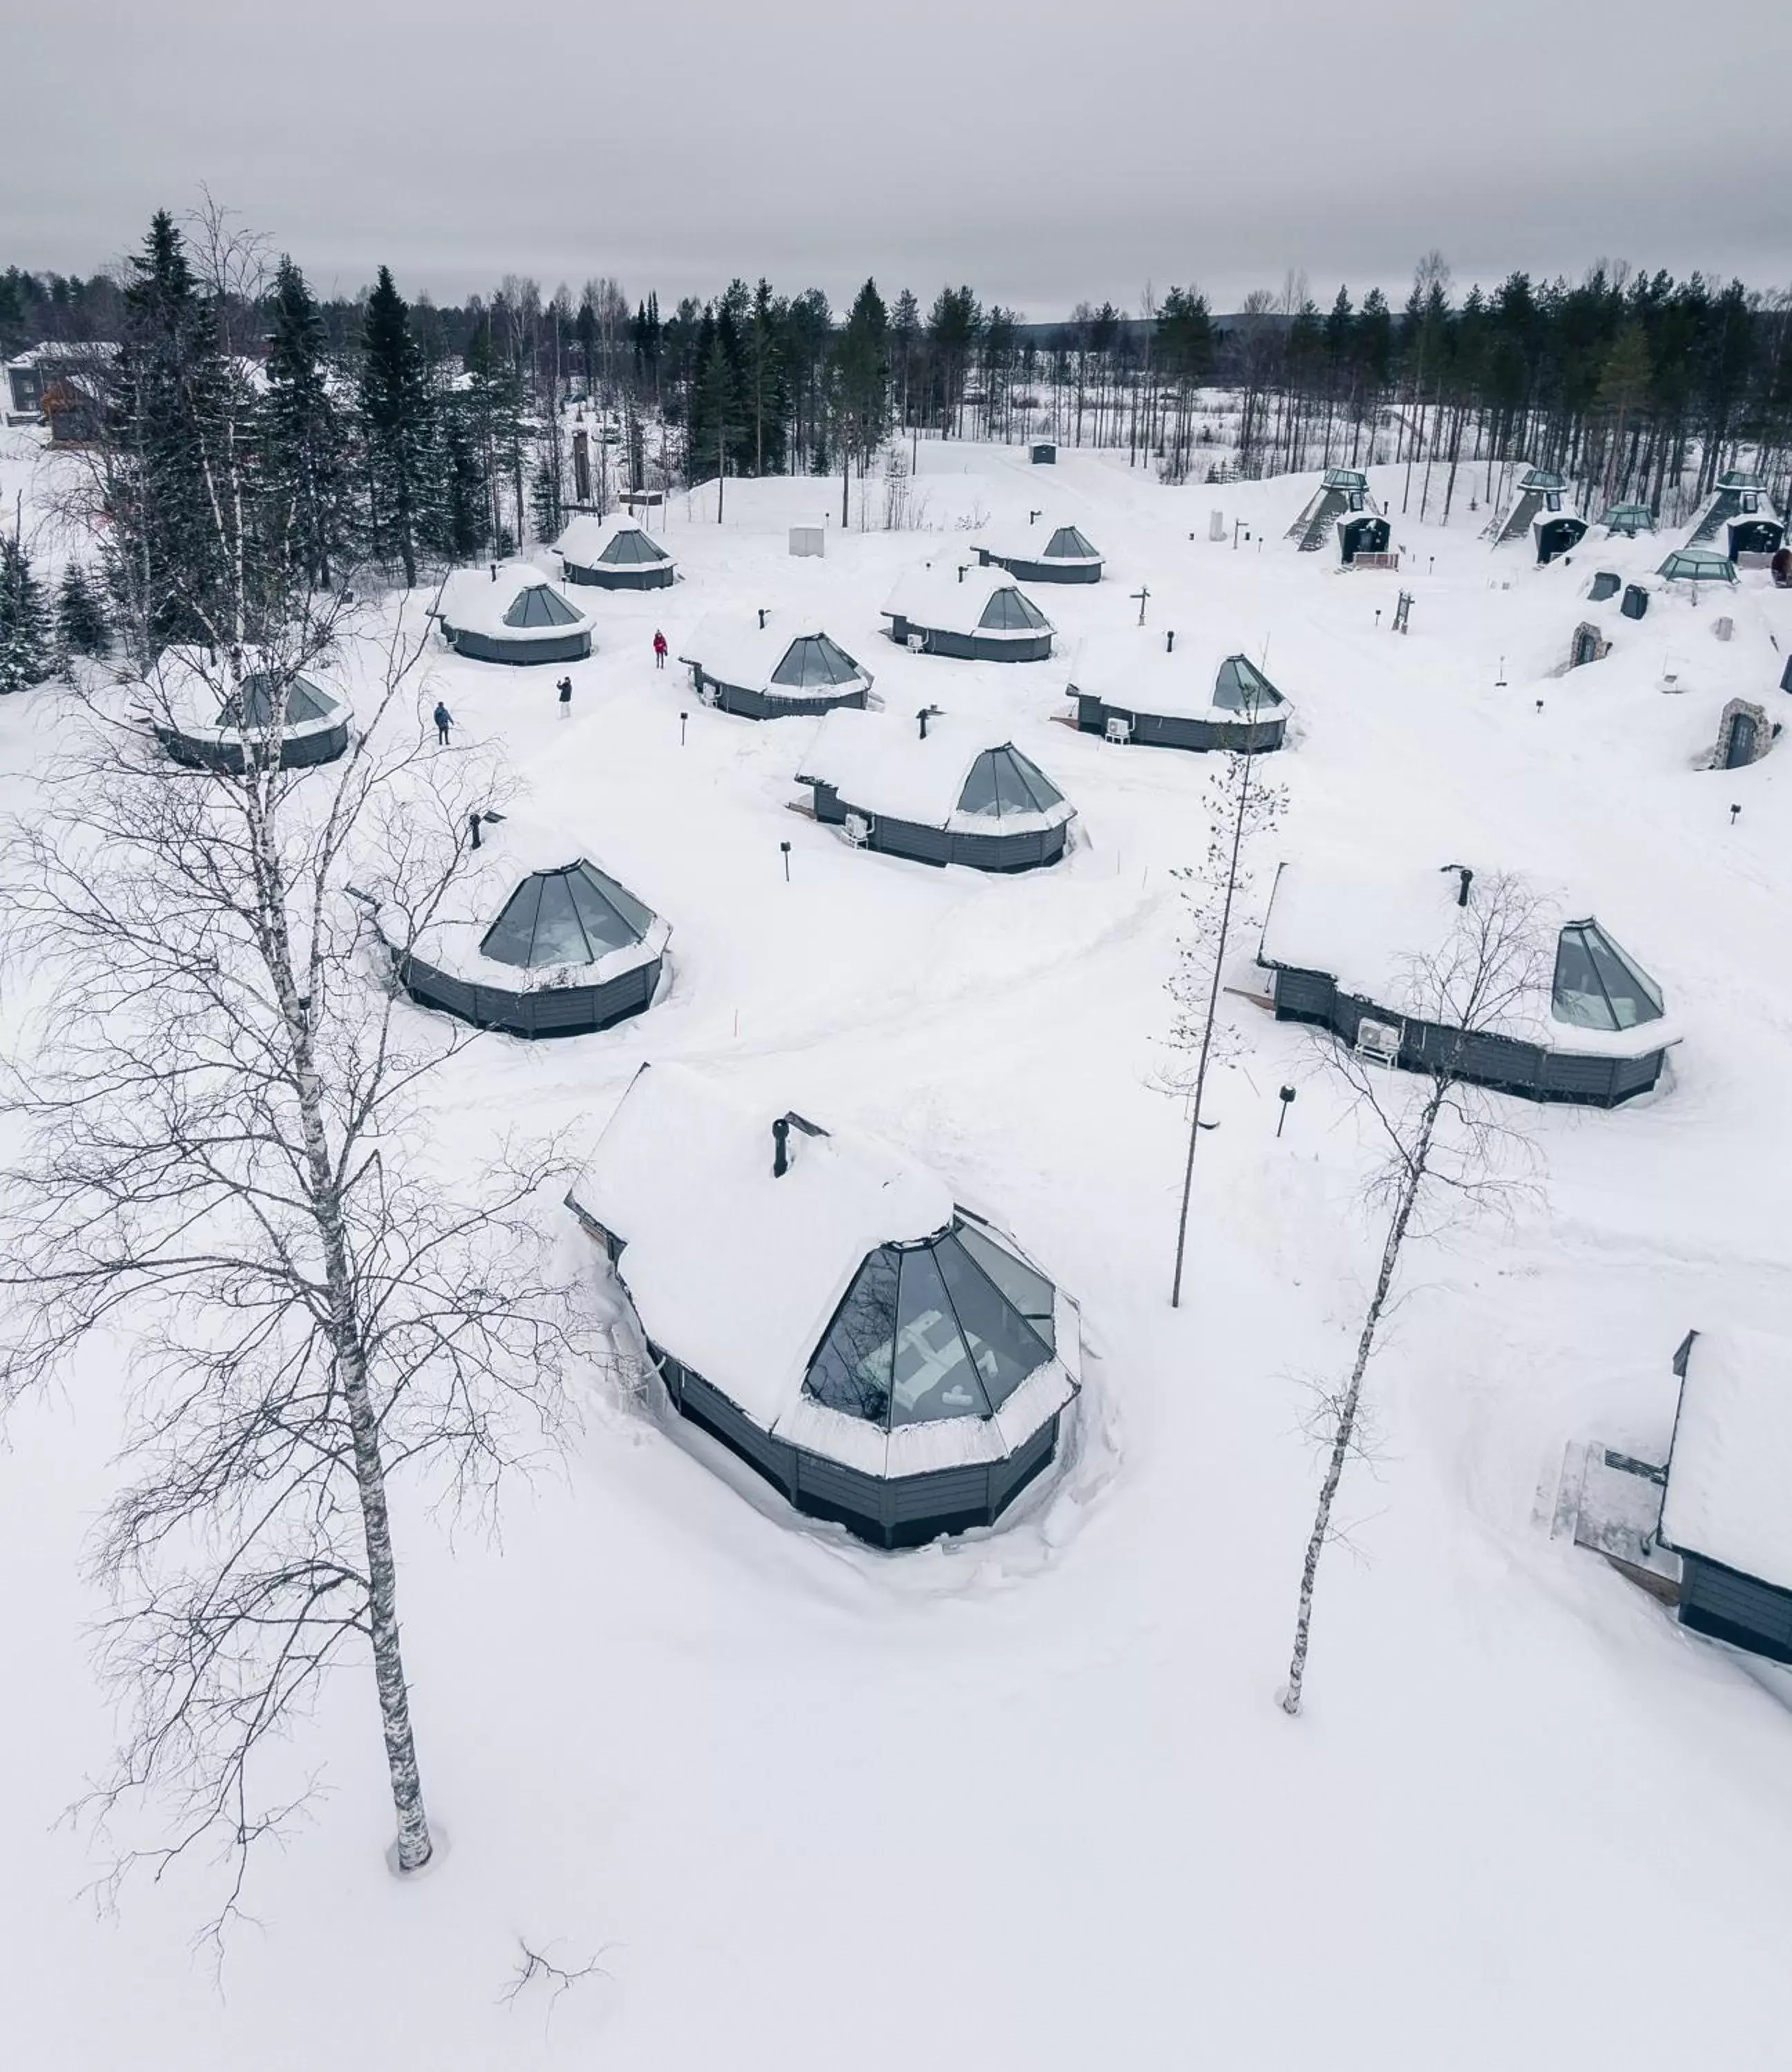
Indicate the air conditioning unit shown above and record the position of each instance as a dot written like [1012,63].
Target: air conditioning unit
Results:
[1379,1041]
[918,643]
[858,829]
[706,690]
[1119,729]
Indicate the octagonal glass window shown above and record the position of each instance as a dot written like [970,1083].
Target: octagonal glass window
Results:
[1596,986]
[630,548]
[947,1328]
[1009,611]
[814,662]
[573,916]
[539,606]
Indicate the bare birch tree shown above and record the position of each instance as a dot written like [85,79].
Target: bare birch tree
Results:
[223,1180]
[1450,1148]
[1216,904]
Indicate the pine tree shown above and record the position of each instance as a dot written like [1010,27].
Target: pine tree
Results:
[715,417]
[395,410]
[81,627]
[26,657]
[304,437]
[862,385]
[163,399]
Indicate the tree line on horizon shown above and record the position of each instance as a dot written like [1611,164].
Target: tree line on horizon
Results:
[409,435]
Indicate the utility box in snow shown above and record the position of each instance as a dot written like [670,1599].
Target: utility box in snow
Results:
[1216,524]
[1636,601]
[1724,628]
[809,539]
[1044,454]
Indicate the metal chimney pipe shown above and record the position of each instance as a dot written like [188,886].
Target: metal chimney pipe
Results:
[1169,644]
[1466,875]
[780,1154]
[762,619]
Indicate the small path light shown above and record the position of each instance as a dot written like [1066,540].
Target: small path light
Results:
[1539,704]
[1378,619]
[1735,811]
[684,721]
[1499,681]
[785,847]
[1287,1099]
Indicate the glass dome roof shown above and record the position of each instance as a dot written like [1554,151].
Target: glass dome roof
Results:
[1007,611]
[572,916]
[814,662]
[1241,686]
[1003,781]
[539,606]
[1698,565]
[252,706]
[1068,545]
[1596,986]
[630,547]
[947,1328]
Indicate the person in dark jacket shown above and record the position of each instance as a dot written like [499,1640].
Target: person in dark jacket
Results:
[565,688]
[659,651]
[444,719]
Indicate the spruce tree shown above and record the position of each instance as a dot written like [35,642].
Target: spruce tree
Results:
[81,627]
[395,412]
[305,440]
[163,399]
[25,657]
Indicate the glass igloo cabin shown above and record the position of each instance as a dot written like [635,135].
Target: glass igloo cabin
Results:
[1161,692]
[820,1303]
[768,664]
[510,612]
[941,788]
[210,715]
[1385,959]
[978,615]
[1043,552]
[614,553]
[531,937]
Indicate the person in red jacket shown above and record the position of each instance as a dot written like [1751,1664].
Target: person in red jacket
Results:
[659,650]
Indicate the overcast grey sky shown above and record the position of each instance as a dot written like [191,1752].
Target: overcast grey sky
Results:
[1066,150]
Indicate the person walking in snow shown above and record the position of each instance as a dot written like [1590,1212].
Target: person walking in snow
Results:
[566,697]
[659,650]
[444,719]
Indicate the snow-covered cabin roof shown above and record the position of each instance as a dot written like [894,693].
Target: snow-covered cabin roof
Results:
[615,542]
[1140,670]
[208,700]
[1383,933]
[507,601]
[1047,539]
[740,1275]
[1730,1479]
[984,601]
[786,657]
[965,775]
[528,911]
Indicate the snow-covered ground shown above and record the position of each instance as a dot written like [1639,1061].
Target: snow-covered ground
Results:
[1026,1799]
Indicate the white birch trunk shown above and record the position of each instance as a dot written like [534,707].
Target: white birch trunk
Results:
[1412,1181]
